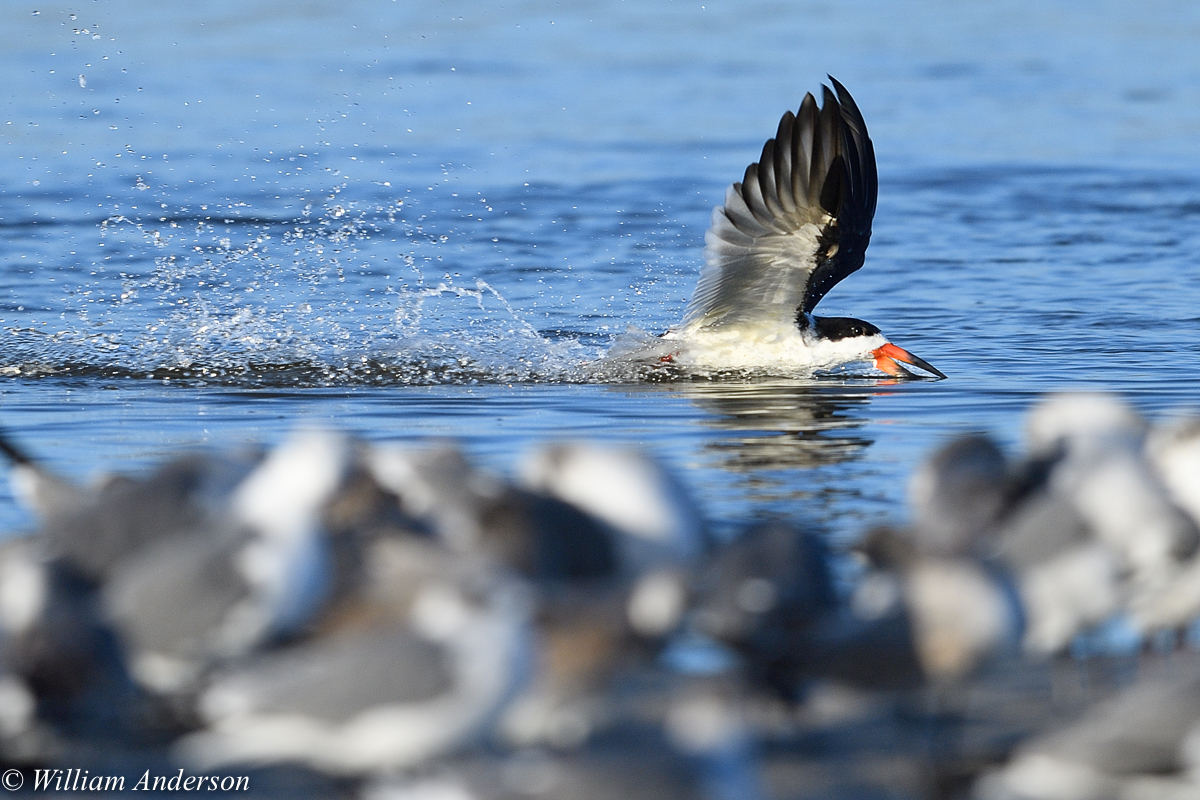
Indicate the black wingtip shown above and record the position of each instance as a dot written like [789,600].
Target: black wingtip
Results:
[850,113]
[842,93]
[846,185]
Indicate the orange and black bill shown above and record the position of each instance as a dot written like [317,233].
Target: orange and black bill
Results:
[889,358]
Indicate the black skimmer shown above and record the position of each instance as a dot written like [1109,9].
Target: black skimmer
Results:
[789,231]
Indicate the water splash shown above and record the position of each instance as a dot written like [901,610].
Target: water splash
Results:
[336,295]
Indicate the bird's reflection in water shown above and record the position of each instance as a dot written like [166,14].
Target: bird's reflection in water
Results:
[767,430]
[782,425]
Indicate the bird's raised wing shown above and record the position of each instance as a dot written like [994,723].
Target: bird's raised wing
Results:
[798,222]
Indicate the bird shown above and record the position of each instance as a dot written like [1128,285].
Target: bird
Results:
[797,223]
[93,528]
[258,569]
[657,521]
[64,690]
[1173,455]
[1173,449]
[1101,503]
[763,595]
[415,664]
[957,494]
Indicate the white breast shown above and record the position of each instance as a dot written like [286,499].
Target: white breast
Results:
[768,347]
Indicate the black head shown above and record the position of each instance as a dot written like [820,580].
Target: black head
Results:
[835,329]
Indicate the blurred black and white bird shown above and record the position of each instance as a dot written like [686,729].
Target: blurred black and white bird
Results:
[1101,536]
[256,569]
[957,495]
[415,664]
[659,521]
[204,558]
[93,527]
[765,594]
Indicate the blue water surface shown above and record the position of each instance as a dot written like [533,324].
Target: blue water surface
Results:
[408,220]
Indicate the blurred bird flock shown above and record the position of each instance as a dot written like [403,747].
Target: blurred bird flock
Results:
[402,617]
[394,621]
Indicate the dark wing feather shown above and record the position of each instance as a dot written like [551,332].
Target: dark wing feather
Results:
[797,223]
[850,195]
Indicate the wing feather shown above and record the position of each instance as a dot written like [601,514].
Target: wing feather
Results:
[783,165]
[798,222]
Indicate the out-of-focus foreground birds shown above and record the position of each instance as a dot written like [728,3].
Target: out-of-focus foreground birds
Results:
[393,621]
